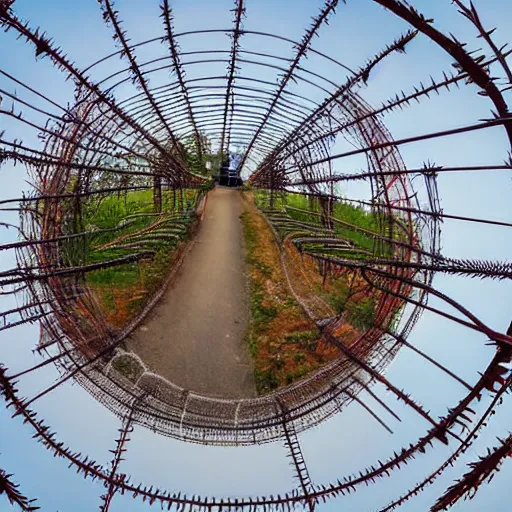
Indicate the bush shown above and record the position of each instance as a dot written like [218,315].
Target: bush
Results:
[266,381]
[362,314]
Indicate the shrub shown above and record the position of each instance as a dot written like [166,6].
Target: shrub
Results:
[362,314]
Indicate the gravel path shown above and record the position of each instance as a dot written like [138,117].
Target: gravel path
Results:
[195,335]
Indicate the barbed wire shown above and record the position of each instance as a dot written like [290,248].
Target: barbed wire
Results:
[109,142]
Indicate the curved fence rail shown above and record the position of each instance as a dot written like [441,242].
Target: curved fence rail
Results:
[144,130]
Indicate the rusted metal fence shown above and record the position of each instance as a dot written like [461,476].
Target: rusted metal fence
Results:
[106,144]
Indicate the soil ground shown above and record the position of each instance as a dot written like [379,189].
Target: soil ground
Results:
[195,335]
[284,341]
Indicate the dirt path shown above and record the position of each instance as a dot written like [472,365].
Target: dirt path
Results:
[195,335]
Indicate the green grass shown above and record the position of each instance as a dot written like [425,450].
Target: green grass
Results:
[362,314]
[308,340]
[120,215]
[260,313]
[296,375]
[129,213]
[260,317]
[296,207]
[337,295]
[281,339]
[128,275]
[128,367]
[107,221]
[344,212]
[265,381]
[250,238]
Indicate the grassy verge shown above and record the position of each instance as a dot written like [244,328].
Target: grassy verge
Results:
[282,340]
[128,367]
[355,224]
[123,225]
[345,292]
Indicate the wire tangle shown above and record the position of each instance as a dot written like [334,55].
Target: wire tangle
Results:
[144,123]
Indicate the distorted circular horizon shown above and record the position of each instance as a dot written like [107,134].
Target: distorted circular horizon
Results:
[336,196]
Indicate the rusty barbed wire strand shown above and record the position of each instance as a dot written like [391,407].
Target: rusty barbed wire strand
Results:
[13,493]
[110,143]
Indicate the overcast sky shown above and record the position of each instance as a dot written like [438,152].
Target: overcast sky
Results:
[352,440]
